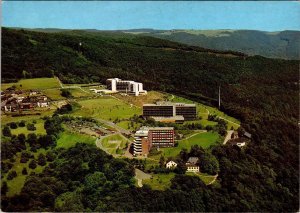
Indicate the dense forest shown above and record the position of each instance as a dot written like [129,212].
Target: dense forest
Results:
[282,44]
[262,93]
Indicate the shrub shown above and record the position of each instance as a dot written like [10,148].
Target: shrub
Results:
[31,127]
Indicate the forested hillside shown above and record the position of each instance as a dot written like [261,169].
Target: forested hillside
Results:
[262,93]
[284,44]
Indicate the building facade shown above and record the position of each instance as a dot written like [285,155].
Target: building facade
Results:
[141,137]
[161,136]
[130,87]
[147,137]
[188,111]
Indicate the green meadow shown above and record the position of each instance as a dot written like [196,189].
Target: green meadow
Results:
[33,83]
[107,108]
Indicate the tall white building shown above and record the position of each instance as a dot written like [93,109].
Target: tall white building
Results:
[130,87]
[139,137]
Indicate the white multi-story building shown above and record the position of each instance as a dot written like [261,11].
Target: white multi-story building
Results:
[130,87]
[140,137]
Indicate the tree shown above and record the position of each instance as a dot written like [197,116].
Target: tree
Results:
[209,164]
[50,156]
[6,131]
[11,175]
[66,93]
[25,157]
[93,181]
[42,160]
[24,171]
[47,140]
[13,125]
[4,188]
[32,164]
[241,131]
[21,137]
[162,161]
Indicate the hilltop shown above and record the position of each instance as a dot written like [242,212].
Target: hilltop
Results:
[279,44]
[283,44]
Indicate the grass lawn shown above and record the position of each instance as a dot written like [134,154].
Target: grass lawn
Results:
[113,142]
[106,108]
[206,178]
[203,112]
[151,97]
[39,128]
[68,139]
[27,117]
[77,93]
[126,125]
[53,94]
[34,83]
[160,181]
[202,139]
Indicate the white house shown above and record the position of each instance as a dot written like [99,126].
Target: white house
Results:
[192,165]
[171,164]
[42,104]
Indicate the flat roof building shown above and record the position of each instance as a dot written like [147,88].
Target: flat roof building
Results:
[169,109]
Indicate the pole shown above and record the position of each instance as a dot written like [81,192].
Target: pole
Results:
[219,97]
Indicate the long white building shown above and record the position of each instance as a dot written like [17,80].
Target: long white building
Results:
[130,87]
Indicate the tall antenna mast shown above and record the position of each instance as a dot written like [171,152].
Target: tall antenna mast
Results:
[219,97]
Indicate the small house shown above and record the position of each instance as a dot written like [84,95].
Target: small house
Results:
[193,165]
[171,164]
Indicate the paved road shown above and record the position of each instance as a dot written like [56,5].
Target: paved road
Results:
[140,176]
[223,118]
[228,136]
[215,178]
[112,124]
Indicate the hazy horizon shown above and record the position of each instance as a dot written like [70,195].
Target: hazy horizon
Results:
[55,28]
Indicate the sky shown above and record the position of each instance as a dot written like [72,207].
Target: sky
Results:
[119,15]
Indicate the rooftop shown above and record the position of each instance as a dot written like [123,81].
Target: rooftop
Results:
[164,103]
[144,129]
[177,117]
[193,160]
